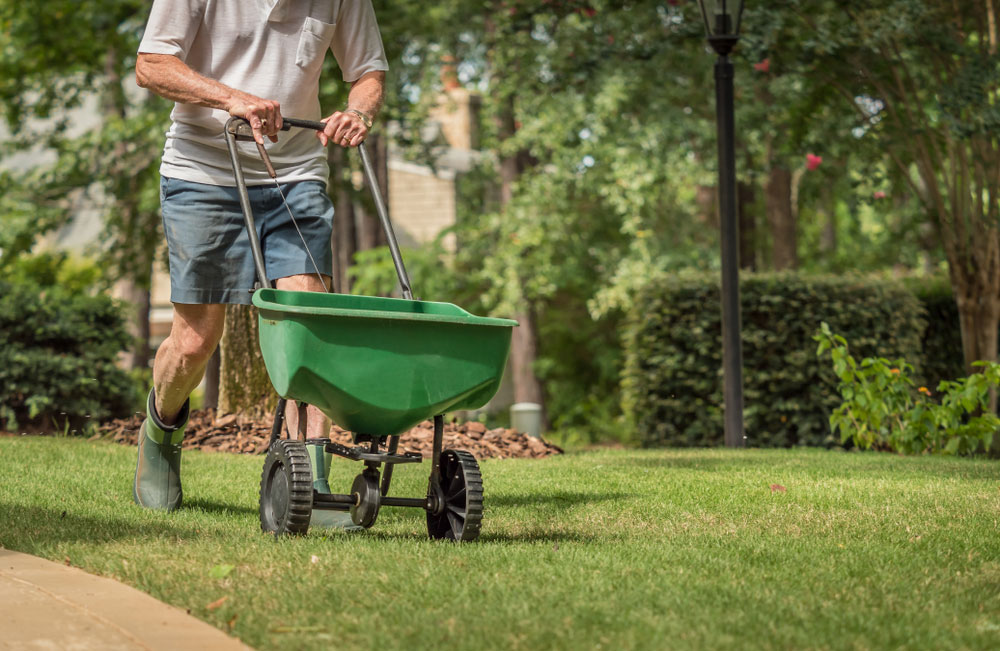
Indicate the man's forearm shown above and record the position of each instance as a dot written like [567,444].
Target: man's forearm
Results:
[169,77]
[368,93]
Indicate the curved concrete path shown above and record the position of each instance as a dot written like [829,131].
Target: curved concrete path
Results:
[45,605]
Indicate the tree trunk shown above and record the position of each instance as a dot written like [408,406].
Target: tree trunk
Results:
[138,324]
[524,342]
[979,318]
[707,205]
[523,351]
[745,196]
[781,219]
[244,386]
[828,211]
[212,380]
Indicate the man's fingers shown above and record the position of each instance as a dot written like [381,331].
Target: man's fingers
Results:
[340,132]
[330,130]
[256,127]
[359,138]
[343,129]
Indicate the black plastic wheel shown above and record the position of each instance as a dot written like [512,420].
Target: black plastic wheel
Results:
[286,489]
[458,498]
[365,486]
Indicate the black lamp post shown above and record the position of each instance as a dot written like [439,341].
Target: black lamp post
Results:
[722,24]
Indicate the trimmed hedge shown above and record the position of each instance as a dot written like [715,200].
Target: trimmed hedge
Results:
[941,342]
[672,380]
[57,357]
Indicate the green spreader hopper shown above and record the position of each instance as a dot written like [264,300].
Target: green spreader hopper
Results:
[378,366]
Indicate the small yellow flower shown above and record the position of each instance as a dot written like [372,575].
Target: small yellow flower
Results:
[925,391]
[894,371]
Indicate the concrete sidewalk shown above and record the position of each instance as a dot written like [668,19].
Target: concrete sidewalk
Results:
[45,605]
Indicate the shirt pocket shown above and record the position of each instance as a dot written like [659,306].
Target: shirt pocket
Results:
[314,41]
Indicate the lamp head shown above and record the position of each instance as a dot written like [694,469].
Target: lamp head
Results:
[722,23]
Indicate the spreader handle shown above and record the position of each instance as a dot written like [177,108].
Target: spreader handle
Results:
[288,123]
[236,129]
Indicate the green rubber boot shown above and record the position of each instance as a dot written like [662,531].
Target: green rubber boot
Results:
[320,459]
[157,483]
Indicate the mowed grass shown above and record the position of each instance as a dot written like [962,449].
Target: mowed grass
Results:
[610,549]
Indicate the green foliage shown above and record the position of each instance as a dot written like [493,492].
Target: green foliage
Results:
[882,407]
[428,267]
[58,347]
[51,268]
[941,341]
[672,381]
[53,63]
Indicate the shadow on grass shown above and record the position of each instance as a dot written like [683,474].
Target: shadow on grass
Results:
[27,527]
[218,507]
[491,538]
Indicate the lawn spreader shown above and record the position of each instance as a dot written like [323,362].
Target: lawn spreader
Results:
[375,366]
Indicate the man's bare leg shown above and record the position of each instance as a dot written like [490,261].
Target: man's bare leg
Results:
[316,424]
[182,357]
[180,363]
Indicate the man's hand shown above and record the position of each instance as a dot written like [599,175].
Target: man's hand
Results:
[343,128]
[264,115]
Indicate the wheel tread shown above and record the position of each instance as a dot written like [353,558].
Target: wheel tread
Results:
[459,463]
[294,462]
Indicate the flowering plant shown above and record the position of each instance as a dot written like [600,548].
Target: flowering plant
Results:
[883,408]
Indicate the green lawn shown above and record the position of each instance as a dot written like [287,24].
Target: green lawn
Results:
[611,549]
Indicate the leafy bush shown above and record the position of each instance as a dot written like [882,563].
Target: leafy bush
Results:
[672,382]
[57,356]
[882,407]
[941,341]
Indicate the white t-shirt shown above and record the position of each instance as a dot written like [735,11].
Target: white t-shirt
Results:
[269,48]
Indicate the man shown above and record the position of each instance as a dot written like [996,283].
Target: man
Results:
[254,59]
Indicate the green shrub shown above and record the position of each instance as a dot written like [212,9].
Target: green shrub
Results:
[672,381]
[57,357]
[941,341]
[884,408]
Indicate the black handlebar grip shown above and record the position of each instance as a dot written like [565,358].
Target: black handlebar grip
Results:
[288,123]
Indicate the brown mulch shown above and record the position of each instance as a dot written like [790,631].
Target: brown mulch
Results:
[234,433]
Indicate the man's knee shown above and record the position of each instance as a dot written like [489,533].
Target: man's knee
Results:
[197,329]
[304,283]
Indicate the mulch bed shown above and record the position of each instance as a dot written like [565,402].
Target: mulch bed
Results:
[234,433]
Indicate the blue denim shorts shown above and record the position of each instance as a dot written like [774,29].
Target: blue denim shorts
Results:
[209,251]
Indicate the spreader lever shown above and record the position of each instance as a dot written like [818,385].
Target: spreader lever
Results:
[360,453]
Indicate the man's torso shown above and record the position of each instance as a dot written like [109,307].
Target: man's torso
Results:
[271,50]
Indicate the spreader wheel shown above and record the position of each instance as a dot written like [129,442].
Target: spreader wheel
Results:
[457,499]
[286,489]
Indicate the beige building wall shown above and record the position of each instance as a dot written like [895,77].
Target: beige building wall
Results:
[421,203]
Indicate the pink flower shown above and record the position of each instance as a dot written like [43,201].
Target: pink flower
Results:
[813,161]
[879,194]
[763,66]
